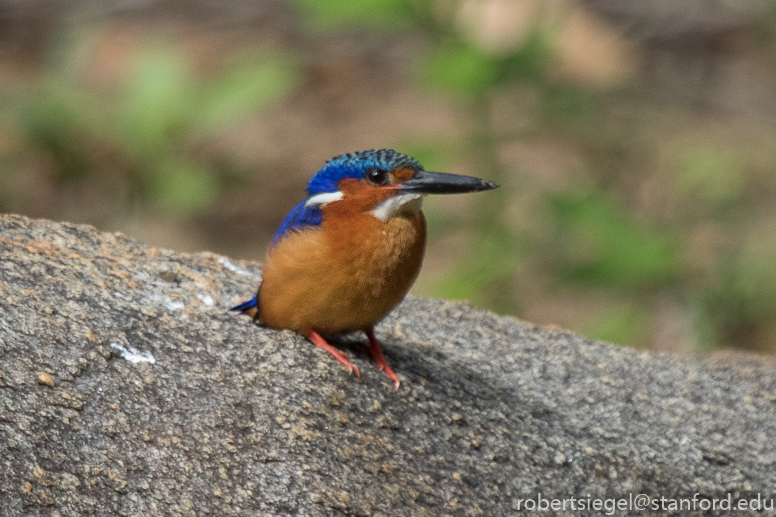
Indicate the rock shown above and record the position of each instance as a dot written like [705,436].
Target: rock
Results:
[164,403]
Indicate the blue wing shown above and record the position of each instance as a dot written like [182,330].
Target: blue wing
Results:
[250,304]
[299,217]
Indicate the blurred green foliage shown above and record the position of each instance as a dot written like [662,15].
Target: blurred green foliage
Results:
[375,14]
[597,242]
[713,176]
[590,242]
[459,68]
[586,239]
[624,322]
[151,125]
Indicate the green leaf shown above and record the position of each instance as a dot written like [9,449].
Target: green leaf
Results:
[239,92]
[530,60]
[485,271]
[622,324]
[160,103]
[461,69]
[55,121]
[334,14]
[183,186]
[599,243]
[709,173]
[750,282]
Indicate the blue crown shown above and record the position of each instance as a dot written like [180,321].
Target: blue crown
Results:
[354,165]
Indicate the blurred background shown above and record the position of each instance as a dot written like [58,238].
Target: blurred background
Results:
[635,141]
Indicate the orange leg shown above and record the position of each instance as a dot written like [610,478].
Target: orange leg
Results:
[339,356]
[377,354]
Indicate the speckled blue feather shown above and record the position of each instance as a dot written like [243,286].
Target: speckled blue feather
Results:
[352,165]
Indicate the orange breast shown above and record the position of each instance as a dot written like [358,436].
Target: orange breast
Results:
[345,275]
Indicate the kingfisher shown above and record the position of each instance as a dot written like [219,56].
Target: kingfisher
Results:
[343,258]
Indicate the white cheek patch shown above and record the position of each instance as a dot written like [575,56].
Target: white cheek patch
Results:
[396,204]
[322,199]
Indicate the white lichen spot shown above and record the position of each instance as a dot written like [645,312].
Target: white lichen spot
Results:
[175,306]
[206,299]
[235,268]
[132,355]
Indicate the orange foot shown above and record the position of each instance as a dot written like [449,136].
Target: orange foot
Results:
[377,354]
[339,356]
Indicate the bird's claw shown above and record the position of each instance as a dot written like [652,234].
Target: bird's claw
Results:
[321,343]
[376,353]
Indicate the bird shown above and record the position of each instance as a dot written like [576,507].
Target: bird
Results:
[346,255]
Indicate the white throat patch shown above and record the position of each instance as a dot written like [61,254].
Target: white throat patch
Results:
[397,204]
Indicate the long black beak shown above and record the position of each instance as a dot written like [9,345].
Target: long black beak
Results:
[442,183]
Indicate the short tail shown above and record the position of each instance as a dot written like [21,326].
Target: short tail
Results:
[253,303]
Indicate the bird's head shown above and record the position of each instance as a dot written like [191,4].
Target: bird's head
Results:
[385,183]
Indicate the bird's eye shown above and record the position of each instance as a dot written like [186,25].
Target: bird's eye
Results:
[377,176]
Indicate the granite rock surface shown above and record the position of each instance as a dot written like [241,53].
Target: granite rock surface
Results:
[127,388]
